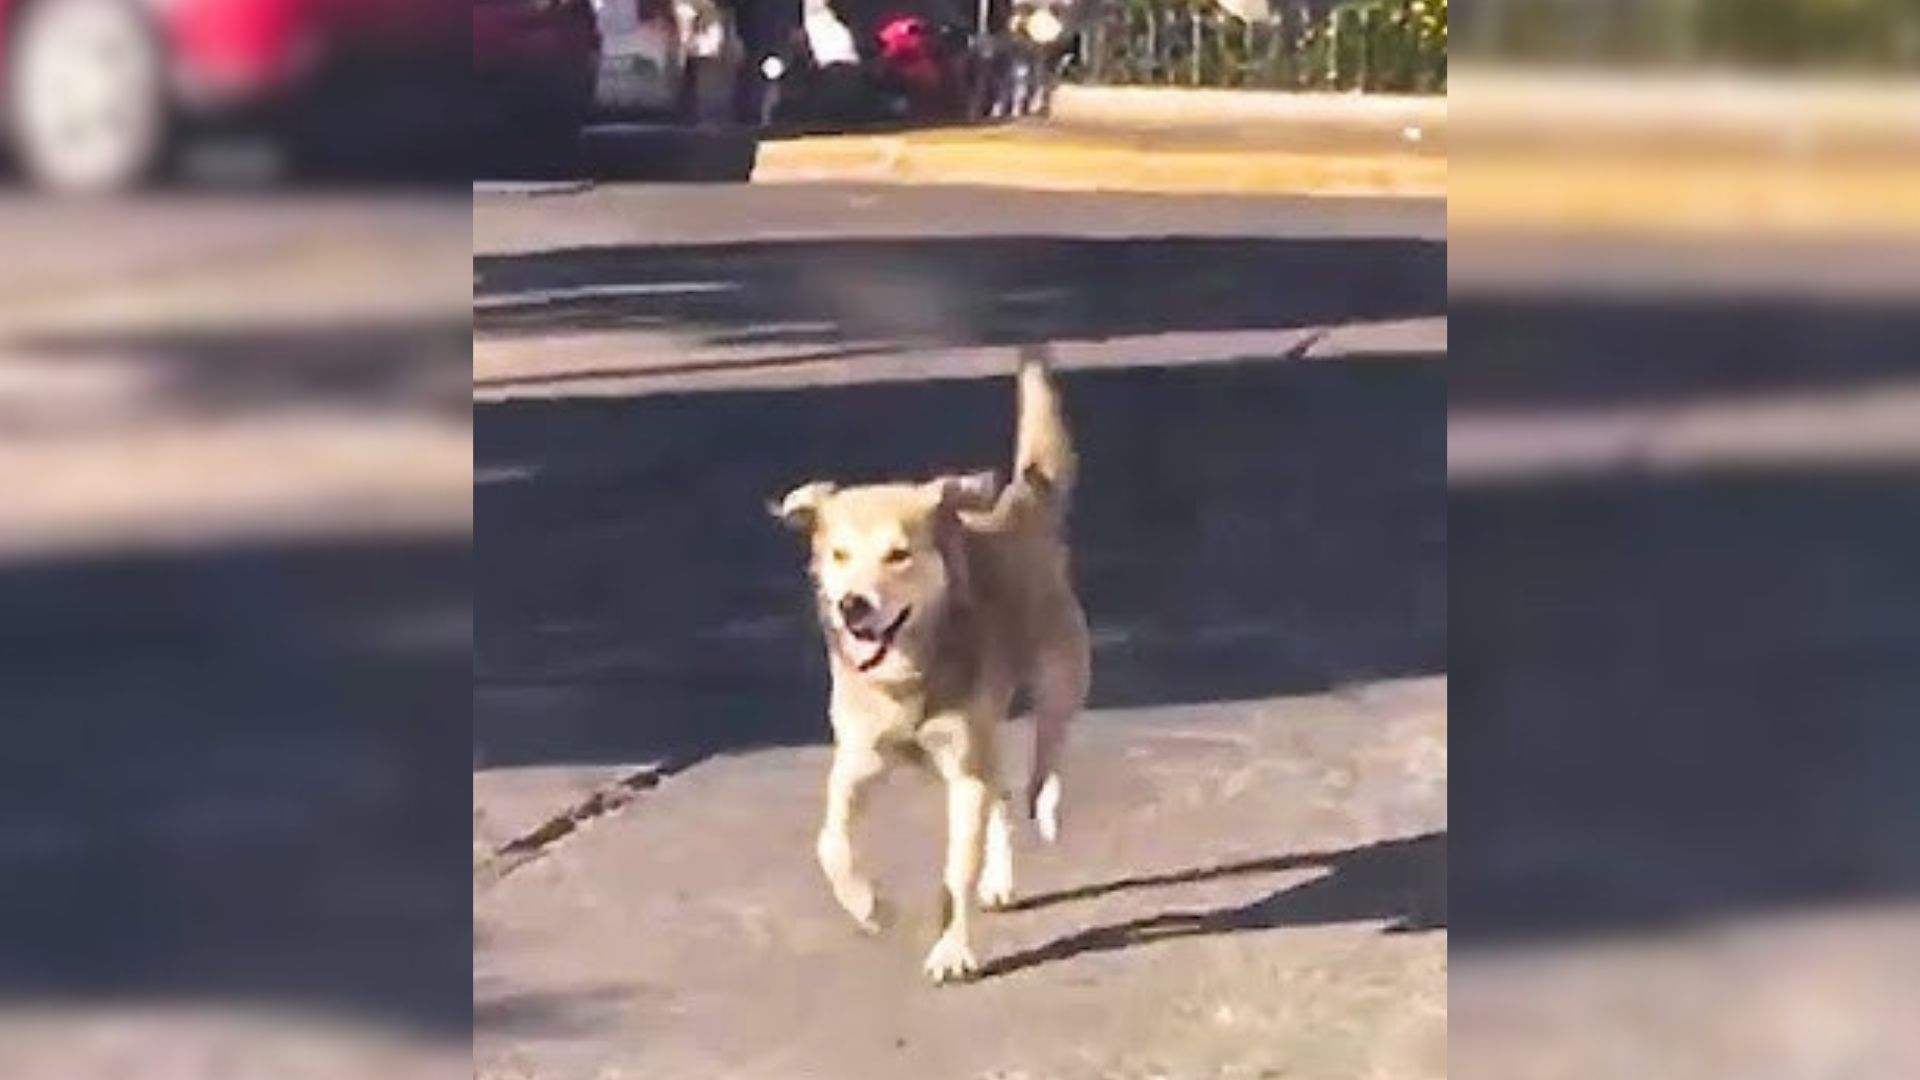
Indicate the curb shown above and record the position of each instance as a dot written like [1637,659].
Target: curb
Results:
[1096,166]
[1677,196]
[1761,110]
[1545,104]
[531,188]
[1152,105]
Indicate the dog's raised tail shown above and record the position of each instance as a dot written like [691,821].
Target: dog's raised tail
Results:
[1043,454]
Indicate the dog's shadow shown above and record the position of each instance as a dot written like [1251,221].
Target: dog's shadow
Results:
[1401,882]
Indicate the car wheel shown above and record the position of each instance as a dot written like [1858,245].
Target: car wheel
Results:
[87,102]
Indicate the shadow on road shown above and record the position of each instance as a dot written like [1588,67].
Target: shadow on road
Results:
[1245,528]
[410,365]
[639,153]
[1242,530]
[549,1015]
[1402,883]
[238,775]
[618,151]
[1685,693]
[1560,350]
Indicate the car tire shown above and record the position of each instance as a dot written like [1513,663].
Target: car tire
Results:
[88,107]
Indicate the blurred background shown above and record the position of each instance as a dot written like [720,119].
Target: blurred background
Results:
[234,475]
[1771,36]
[234,629]
[234,635]
[1684,436]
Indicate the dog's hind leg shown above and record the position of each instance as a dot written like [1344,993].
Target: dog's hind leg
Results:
[1062,675]
[996,873]
[853,773]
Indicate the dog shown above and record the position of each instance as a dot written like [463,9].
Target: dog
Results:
[939,601]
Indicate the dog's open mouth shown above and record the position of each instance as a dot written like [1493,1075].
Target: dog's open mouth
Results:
[875,643]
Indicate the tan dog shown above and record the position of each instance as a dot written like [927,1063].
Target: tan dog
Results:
[939,601]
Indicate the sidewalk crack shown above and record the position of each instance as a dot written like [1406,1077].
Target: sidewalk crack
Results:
[538,841]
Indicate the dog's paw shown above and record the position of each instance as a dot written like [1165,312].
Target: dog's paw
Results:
[1044,805]
[875,917]
[879,917]
[951,961]
[996,891]
[868,910]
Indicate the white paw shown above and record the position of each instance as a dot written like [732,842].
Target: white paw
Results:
[869,911]
[996,888]
[877,916]
[951,961]
[1046,808]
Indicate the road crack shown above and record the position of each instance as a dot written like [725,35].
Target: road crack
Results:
[536,842]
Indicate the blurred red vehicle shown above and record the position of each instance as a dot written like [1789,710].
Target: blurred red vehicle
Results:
[925,68]
[94,94]
[536,63]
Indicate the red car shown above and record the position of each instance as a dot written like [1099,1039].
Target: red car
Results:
[535,63]
[95,93]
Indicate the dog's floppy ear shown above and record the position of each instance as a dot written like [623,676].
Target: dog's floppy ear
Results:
[969,493]
[799,509]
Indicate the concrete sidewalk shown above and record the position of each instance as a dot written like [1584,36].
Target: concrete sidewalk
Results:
[1537,150]
[1244,109]
[1686,109]
[1543,107]
[1244,890]
[1710,155]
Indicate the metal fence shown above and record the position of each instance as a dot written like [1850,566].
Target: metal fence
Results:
[1376,45]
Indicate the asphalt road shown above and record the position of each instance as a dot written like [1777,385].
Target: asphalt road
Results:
[1238,369]
[615,212]
[1258,392]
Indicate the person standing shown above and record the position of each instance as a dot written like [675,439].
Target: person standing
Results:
[767,28]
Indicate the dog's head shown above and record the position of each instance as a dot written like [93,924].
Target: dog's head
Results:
[886,564]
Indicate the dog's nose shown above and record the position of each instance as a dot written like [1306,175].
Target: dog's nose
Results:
[855,610]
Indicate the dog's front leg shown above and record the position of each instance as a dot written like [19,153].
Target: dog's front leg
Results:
[969,798]
[853,773]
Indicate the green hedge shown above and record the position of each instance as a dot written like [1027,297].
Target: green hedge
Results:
[1763,34]
[1381,45]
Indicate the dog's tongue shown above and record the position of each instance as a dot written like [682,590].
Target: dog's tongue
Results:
[874,650]
[868,649]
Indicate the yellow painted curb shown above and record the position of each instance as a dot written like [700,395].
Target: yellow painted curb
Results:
[1705,194]
[1077,166]
[1708,196]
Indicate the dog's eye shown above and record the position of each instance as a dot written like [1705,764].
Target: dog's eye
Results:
[898,556]
[838,555]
